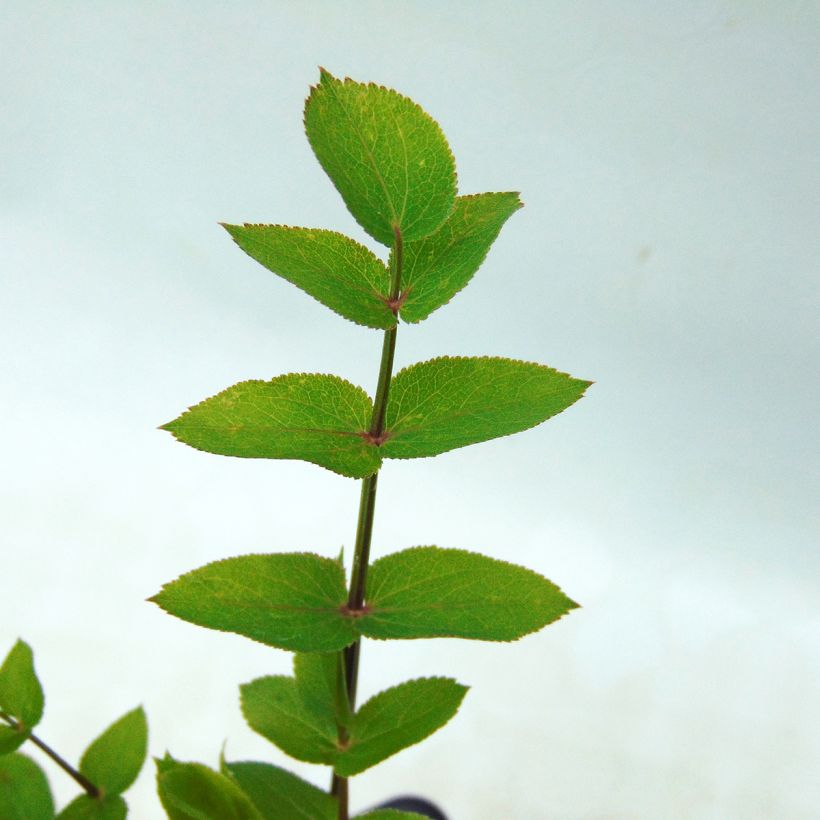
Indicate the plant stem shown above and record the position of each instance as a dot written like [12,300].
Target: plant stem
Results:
[90,789]
[341,793]
[385,373]
[367,507]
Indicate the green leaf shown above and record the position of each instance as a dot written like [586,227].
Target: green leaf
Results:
[273,708]
[192,791]
[21,695]
[316,674]
[24,790]
[112,807]
[397,718]
[441,404]
[280,795]
[439,266]
[316,418]
[339,272]
[429,592]
[390,814]
[11,739]
[289,600]
[387,158]
[299,714]
[296,601]
[113,761]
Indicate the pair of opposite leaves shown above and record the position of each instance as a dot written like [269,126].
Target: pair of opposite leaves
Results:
[111,762]
[392,165]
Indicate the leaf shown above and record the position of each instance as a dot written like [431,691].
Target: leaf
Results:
[12,739]
[273,708]
[24,790]
[192,791]
[445,403]
[434,406]
[289,600]
[21,695]
[316,418]
[113,761]
[280,795]
[299,714]
[397,718]
[387,158]
[112,807]
[439,266]
[429,592]
[338,271]
[315,675]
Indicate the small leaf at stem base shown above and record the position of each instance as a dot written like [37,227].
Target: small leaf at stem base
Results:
[280,795]
[192,791]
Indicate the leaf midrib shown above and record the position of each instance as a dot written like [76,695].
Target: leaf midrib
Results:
[367,150]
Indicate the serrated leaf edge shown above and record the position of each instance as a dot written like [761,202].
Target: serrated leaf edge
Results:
[168,428]
[238,557]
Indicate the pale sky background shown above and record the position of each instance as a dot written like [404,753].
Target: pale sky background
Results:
[669,158]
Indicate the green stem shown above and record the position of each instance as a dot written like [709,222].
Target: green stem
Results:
[90,789]
[367,507]
[361,552]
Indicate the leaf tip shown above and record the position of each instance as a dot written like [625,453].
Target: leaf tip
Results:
[157,599]
[170,427]
[233,230]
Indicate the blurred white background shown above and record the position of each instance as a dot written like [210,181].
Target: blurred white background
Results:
[668,157]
